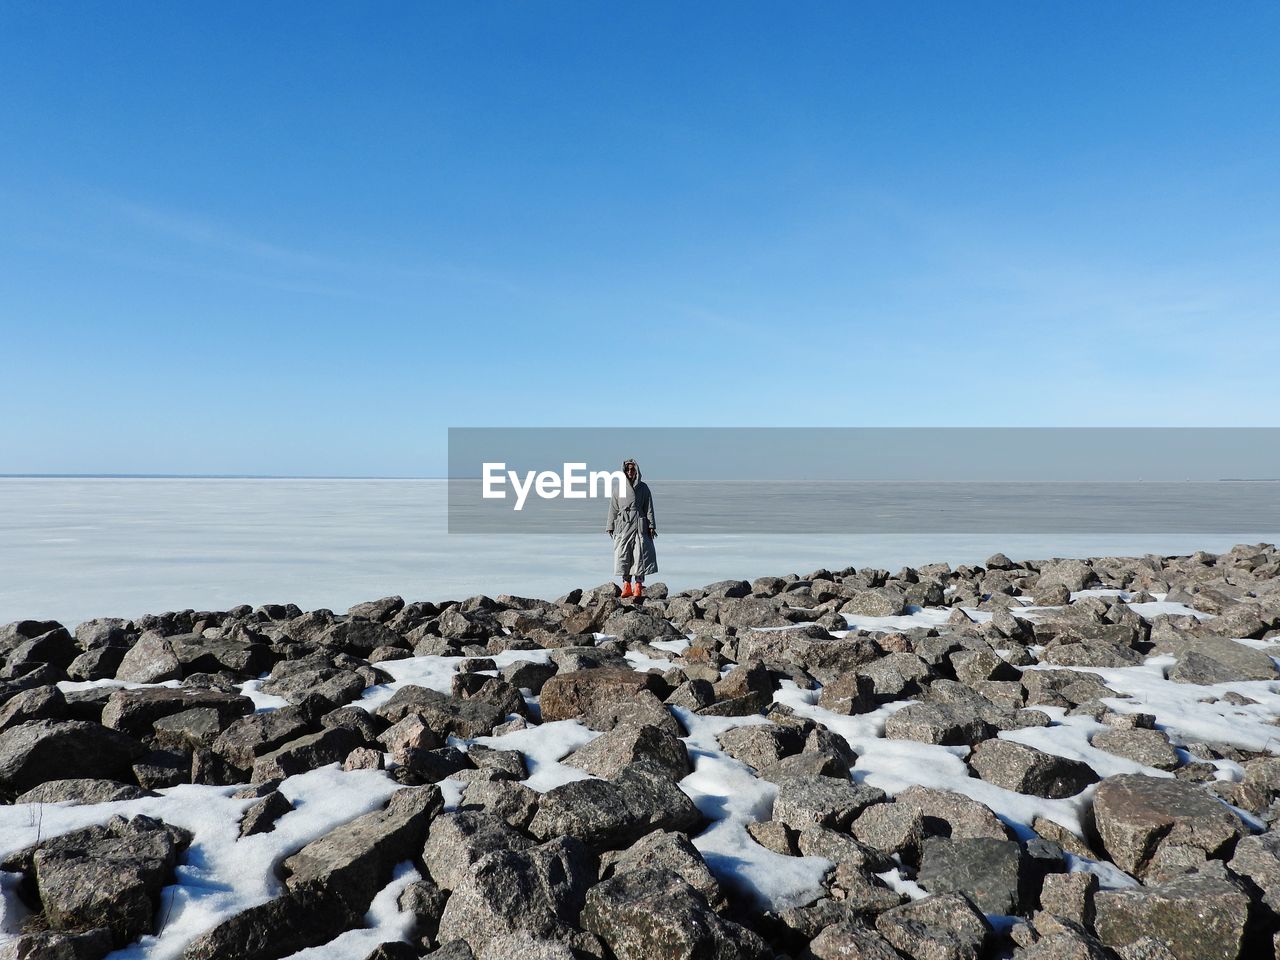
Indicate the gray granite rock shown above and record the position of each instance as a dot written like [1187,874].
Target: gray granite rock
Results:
[82,791]
[825,801]
[1197,918]
[1024,769]
[107,876]
[261,816]
[41,750]
[457,840]
[539,891]
[990,873]
[654,914]
[891,828]
[150,660]
[950,724]
[665,850]
[354,861]
[939,927]
[1134,815]
[307,752]
[611,753]
[948,814]
[612,814]
[1148,747]
[846,940]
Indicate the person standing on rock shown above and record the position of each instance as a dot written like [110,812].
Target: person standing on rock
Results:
[633,529]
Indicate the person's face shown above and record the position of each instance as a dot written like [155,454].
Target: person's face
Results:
[631,471]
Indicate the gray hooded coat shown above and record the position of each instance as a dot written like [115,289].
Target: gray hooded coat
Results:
[631,524]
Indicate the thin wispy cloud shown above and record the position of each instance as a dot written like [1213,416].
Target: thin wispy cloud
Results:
[205,234]
[195,230]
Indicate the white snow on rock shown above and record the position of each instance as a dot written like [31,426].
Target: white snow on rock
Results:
[677,647]
[914,617]
[384,923]
[261,701]
[643,663]
[544,746]
[76,686]
[435,673]
[731,795]
[1190,712]
[221,874]
[895,765]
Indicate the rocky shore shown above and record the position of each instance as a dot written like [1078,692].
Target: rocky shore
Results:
[1045,760]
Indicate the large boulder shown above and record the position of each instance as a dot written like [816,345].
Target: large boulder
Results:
[848,939]
[894,829]
[1195,917]
[876,602]
[16,633]
[106,876]
[1072,574]
[1257,859]
[991,873]
[654,914]
[277,928]
[1210,660]
[442,714]
[54,647]
[150,660]
[99,663]
[825,801]
[1136,815]
[380,611]
[248,738]
[760,745]
[539,891]
[1151,748]
[457,840]
[82,791]
[331,686]
[42,750]
[951,724]
[51,945]
[611,753]
[105,632]
[509,800]
[849,693]
[261,816]
[241,656]
[949,814]
[809,647]
[611,814]
[38,703]
[633,625]
[1024,769]
[308,752]
[568,696]
[944,926]
[673,852]
[355,860]
[136,711]
[749,613]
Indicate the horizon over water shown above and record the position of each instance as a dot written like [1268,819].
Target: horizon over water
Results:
[75,547]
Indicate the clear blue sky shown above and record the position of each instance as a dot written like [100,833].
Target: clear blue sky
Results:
[306,238]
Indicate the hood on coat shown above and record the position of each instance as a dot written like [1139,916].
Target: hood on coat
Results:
[624,469]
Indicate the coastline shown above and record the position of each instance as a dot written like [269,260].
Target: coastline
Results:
[987,753]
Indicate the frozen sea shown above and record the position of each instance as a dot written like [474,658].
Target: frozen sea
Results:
[76,548]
